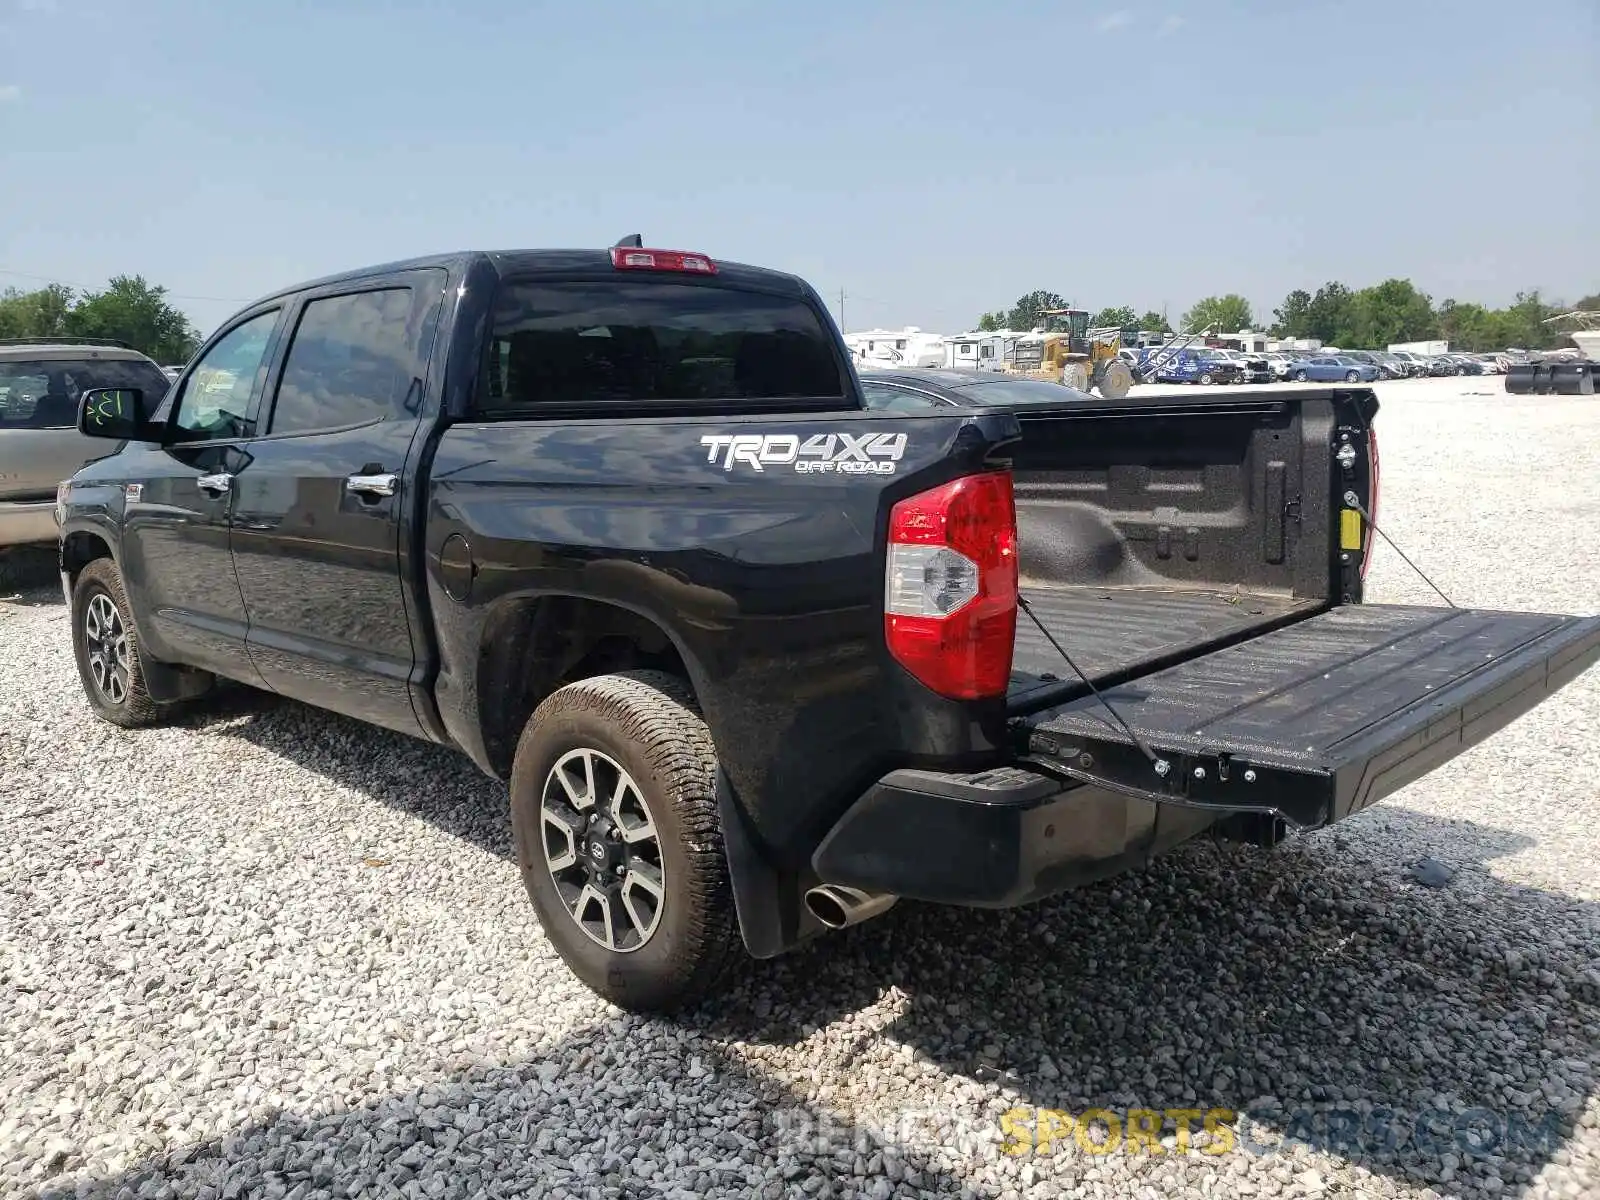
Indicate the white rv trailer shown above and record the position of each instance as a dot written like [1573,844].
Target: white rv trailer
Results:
[980,350]
[908,347]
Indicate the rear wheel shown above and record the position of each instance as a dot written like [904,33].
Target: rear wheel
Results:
[1205,378]
[613,806]
[107,649]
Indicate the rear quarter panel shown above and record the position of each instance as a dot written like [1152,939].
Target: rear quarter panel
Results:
[767,579]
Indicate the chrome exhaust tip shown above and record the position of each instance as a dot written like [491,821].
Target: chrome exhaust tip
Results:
[837,906]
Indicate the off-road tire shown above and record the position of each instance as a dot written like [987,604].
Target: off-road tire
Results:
[135,709]
[648,723]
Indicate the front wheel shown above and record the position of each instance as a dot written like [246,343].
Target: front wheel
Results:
[1300,376]
[614,811]
[1352,376]
[107,649]
[1206,378]
[1115,381]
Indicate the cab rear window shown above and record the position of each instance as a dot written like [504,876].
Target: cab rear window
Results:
[572,345]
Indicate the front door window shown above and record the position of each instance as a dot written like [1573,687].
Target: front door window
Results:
[215,403]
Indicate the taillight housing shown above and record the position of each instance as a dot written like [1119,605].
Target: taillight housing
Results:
[950,586]
[627,258]
[1372,498]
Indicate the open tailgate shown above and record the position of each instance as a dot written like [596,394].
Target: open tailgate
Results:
[1320,719]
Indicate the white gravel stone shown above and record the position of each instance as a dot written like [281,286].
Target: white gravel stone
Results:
[274,953]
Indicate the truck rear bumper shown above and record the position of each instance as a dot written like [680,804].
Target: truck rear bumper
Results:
[1301,726]
[995,839]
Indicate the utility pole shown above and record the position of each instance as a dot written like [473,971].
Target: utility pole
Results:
[841,310]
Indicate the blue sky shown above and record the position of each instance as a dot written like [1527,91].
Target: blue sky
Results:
[934,159]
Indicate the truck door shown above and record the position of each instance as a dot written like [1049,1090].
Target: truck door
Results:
[322,508]
[175,557]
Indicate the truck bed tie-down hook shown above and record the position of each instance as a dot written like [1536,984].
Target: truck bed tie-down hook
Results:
[1161,766]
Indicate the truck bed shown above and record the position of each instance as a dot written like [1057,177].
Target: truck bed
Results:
[1115,632]
[1150,535]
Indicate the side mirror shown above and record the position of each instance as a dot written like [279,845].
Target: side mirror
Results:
[114,413]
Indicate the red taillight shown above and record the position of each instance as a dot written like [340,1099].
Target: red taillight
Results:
[627,259]
[1372,497]
[950,587]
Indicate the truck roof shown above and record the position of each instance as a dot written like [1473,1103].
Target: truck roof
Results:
[553,262]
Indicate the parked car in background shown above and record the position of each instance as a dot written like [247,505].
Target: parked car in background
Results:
[1416,364]
[1330,368]
[1193,366]
[917,390]
[1463,364]
[1280,364]
[1392,365]
[1387,369]
[1253,368]
[1493,364]
[40,382]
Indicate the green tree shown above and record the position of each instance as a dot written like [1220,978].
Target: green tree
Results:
[1328,313]
[1523,324]
[1293,316]
[1027,312]
[1465,326]
[131,310]
[1155,322]
[992,321]
[1225,314]
[1119,318]
[16,314]
[40,313]
[1391,311]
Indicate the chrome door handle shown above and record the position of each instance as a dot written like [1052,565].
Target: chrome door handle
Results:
[373,485]
[216,484]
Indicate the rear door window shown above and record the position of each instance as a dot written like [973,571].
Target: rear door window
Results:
[350,363]
[576,345]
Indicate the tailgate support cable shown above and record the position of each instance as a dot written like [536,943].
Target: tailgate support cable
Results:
[1162,767]
[1351,500]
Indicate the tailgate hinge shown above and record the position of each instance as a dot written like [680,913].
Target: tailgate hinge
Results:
[1215,780]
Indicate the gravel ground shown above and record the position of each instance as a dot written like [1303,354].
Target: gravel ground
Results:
[272,952]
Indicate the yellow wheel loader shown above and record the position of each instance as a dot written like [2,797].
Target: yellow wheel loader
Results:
[1066,350]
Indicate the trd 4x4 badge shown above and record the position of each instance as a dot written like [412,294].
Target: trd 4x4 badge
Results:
[820,454]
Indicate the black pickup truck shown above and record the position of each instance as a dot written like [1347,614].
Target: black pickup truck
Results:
[756,660]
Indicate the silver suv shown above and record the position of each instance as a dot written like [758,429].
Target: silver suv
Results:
[40,382]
